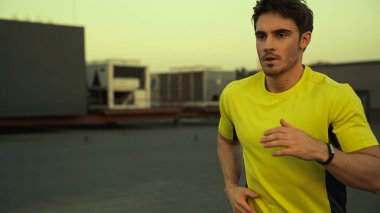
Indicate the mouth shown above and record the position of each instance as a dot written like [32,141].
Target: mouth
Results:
[270,58]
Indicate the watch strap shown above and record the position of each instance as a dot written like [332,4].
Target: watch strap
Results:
[330,148]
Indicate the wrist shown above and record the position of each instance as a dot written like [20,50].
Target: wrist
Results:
[322,152]
[328,155]
[230,186]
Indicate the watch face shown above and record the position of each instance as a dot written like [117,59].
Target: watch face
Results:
[331,148]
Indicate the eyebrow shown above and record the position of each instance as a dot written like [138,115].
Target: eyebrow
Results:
[275,31]
[260,33]
[283,31]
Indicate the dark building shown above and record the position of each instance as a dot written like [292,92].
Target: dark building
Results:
[198,86]
[42,70]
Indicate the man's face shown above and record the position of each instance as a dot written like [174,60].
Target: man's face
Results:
[277,43]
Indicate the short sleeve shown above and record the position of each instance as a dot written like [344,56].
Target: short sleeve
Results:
[225,122]
[349,121]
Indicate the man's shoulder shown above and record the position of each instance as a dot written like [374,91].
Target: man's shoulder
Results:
[245,83]
[322,80]
[323,84]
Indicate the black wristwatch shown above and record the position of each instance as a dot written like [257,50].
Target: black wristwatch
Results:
[330,147]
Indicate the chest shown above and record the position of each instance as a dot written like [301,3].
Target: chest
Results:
[252,116]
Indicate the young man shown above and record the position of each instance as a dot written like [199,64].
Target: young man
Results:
[281,119]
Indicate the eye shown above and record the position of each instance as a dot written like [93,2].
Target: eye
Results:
[260,36]
[281,35]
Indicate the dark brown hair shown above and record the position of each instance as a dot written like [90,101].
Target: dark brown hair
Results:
[297,10]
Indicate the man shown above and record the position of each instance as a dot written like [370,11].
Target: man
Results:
[281,117]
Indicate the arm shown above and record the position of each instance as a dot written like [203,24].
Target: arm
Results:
[359,169]
[230,159]
[229,153]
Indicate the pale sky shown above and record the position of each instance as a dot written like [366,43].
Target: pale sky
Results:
[167,33]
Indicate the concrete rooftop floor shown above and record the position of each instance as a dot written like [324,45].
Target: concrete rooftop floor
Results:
[131,168]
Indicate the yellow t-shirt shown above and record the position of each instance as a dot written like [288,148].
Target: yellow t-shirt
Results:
[316,102]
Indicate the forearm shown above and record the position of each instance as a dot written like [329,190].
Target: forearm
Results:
[357,170]
[230,161]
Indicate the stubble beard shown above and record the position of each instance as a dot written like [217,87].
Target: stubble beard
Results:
[271,70]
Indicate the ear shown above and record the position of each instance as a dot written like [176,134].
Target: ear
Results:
[305,40]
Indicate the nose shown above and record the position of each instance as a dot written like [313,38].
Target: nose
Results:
[269,44]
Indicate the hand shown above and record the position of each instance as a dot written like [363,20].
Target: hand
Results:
[238,197]
[296,143]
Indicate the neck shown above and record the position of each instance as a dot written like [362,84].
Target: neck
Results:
[284,81]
